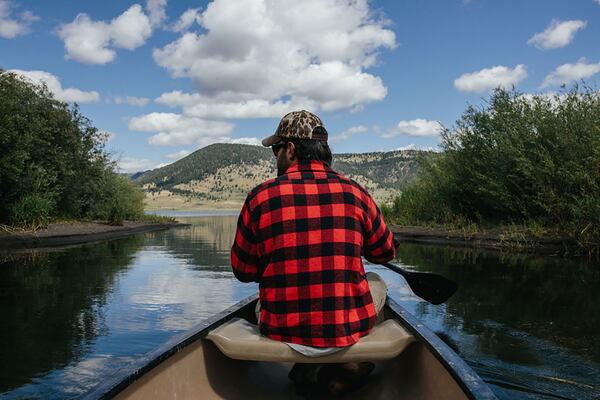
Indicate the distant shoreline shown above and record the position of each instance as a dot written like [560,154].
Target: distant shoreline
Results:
[192,212]
[71,233]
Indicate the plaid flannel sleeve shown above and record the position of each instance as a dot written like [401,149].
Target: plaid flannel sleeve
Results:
[244,258]
[380,245]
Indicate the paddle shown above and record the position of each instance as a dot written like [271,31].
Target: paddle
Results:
[433,288]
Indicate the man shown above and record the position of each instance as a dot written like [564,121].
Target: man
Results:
[301,237]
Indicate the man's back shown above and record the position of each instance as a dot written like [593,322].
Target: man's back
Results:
[301,236]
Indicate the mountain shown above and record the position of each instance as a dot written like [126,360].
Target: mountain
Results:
[220,175]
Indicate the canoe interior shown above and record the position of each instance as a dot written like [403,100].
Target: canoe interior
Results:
[201,371]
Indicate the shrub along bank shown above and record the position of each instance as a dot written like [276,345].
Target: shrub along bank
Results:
[53,164]
[520,161]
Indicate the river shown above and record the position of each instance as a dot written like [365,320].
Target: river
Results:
[529,325]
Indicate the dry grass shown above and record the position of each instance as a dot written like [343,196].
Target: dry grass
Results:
[166,200]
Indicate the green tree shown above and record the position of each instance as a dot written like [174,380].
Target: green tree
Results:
[517,159]
[52,159]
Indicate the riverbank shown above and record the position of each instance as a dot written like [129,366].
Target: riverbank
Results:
[495,239]
[77,232]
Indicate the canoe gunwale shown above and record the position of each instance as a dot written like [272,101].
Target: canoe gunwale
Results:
[472,385]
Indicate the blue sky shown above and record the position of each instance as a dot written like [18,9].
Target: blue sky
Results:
[167,77]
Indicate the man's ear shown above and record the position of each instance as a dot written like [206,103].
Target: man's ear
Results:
[291,151]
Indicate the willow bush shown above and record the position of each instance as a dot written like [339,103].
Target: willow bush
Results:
[121,200]
[53,163]
[517,159]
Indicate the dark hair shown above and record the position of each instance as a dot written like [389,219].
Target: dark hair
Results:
[309,149]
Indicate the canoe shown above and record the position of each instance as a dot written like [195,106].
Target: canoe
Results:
[411,363]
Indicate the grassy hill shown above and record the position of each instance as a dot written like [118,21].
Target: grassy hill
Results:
[220,175]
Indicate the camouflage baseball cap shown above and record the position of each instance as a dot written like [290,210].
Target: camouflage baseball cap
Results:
[299,125]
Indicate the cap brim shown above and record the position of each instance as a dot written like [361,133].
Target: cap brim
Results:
[271,140]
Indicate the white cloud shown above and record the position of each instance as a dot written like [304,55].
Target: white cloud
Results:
[86,41]
[567,73]
[413,146]
[178,155]
[92,42]
[131,100]
[243,140]
[11,27]
[173,129]
[415,127]
[130,165]
[490,78]
[347,134]
[54,85]
[557,34]
[156,11]
[555,98]
[196,105]
[278,53]
[186,20]
[130,29]
[178,99]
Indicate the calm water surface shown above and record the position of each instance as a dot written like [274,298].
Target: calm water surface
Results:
[530,326]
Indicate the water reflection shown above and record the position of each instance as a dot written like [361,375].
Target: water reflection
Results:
[74,316]
[529,324]
[50,305]
[205,243]
[71,317]
[549,297]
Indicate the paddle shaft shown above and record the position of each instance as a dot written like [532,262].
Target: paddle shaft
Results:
[397,269]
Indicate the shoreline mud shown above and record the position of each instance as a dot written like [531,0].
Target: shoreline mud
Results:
[492,240]
[65,234]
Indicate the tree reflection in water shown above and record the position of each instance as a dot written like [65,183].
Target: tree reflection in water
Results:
[205,243]
[50,302]
[551,298]
[528,324]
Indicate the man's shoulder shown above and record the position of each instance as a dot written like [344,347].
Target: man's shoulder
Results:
[262,192]
[262,187]
[351,182]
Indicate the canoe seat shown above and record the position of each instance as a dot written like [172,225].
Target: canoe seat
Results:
[241,340]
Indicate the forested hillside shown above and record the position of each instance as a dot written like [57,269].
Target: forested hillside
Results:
[222,175]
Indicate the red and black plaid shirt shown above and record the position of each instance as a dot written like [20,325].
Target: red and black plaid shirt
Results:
[301,236]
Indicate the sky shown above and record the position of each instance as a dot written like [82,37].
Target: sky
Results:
[164,78]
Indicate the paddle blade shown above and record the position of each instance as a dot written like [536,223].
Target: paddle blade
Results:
[433,288]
